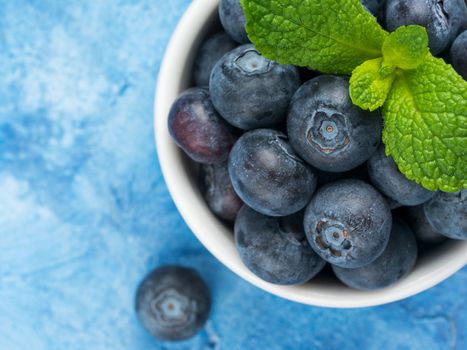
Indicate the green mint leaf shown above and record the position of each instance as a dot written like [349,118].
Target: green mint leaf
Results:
[332,36]
[370,84]
[426,125]
[406,47]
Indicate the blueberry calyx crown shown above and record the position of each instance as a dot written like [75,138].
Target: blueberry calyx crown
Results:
[332,236]
[329,131]
[251,62]
[172,309]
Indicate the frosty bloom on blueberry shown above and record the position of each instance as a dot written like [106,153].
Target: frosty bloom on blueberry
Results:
[268,175]
[250,91]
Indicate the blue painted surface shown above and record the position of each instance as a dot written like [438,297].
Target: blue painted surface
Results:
[84,211]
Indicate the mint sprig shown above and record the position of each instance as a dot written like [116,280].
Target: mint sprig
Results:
[370,84]
[296,32]
[426,125]
[424,101]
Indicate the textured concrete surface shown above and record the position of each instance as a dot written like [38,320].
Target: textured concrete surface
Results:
[84,212]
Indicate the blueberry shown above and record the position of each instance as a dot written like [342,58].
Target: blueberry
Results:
[373,6]
[458,54]
[275,249]
[387,178]
[421,227]
[348,223]
[447,213]
[268,175]
[327,130]
[233,20]
[443,19]
[173,302]
[198,129]
[249,90]
[208,54]
[397,260]
[218,192]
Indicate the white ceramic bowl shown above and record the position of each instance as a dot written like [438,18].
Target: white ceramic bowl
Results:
[174,77]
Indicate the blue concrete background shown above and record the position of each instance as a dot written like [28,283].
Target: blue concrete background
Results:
[84,211]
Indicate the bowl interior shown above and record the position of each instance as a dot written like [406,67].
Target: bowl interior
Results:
[200,20]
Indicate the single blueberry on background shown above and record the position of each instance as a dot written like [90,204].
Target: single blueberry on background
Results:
[458,54]
[250,91]
[218,191]
[267,174]
[233,20]
[397,260]
[198,129]
[443,19]
[276,249]
[208,54]
[387,178]
[327,130]
[421,227]
[447,213]
[173,302]
[348,223]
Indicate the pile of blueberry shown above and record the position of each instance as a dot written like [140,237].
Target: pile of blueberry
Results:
[300,170]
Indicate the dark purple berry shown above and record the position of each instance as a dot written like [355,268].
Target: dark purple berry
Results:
[218,192]
[197,128]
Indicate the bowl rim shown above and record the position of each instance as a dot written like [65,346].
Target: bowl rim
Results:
[173,75]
